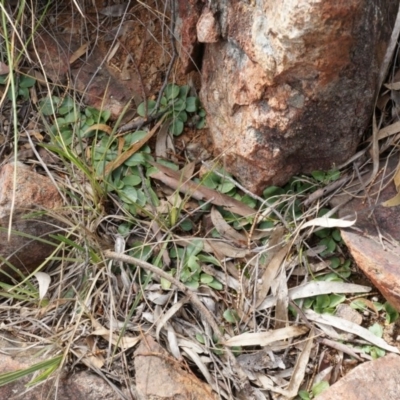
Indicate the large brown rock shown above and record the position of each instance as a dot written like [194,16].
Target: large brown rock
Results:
[374,239]
[28,244]
[372,380]
[289,86]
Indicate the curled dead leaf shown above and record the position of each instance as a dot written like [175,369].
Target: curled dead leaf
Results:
[4,69]
[225,230]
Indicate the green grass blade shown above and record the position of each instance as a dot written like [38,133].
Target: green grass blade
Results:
[51,364]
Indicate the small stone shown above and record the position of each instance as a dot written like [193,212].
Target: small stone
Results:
[346,312]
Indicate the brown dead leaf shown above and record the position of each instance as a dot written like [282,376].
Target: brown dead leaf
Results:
[299,370]
[4,69]
[90,360]
[79,53]
[275,242]
[265,338]
[175,180]
[163,142]
[125,342]
[99,127]
[393,85]
[225,230]
[133,148]
[188,170]
[394,201]
[282,300]
[219,248]
[368,304]
[270,273]
[159,376]
[125,73]
[165,317]
[36,134]
[389,130]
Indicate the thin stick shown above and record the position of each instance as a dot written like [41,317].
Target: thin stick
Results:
[193,298]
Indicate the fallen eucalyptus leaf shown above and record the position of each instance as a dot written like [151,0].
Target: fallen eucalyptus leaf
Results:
[225,230]
[326,222]
[44,283]
[264,338]
[394,201]
[350,327]
[270,274]
[315,289]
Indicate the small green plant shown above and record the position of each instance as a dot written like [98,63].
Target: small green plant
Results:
[391,314]
[22,85]
[317,389]
[218,349]
[330,238]
[44,368]
[84,129]
[130,181]
[374,351]
[324,303]
[188,262]
[69,121]
[231,316]
[179,107]
[386,311]
[219,182]
[287,199]
[326,177]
